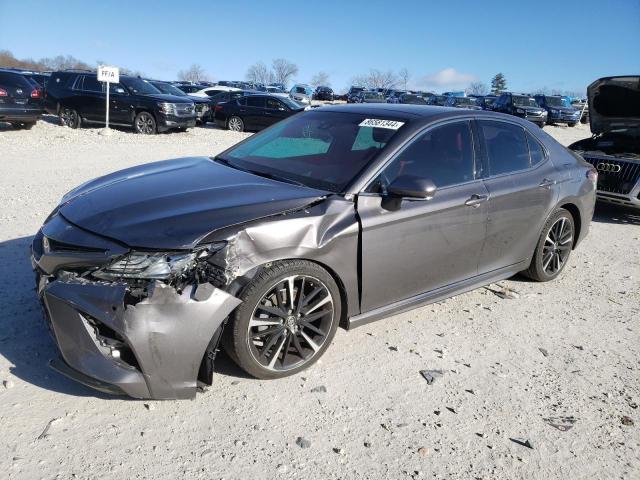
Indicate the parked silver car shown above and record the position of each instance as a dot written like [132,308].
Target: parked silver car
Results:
[301,93]
[340,215]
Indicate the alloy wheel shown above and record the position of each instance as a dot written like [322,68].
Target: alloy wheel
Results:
[145,124]
[68,118]
[291,323]
[557,246]
[235,124]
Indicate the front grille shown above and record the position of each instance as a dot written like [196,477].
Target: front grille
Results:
[613,181]
[56,246]
[184,110]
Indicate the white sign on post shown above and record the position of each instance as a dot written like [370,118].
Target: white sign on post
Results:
[108,75]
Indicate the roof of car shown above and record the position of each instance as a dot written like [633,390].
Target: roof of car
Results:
[411,111]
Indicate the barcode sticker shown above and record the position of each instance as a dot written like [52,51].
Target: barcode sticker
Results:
[380,123]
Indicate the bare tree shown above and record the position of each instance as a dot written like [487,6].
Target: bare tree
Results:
[404,76]
[283,70]
[320,79]
[194,73]
[377,79]
[477,88]
[259,73]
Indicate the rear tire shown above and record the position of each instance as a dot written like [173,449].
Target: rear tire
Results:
[541,124]
[572,124]
[70,118]
[235,124]
[300,315]
[553,248]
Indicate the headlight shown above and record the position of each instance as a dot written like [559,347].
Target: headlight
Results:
[166,107]
[519,110]
[154,265]
[554,111]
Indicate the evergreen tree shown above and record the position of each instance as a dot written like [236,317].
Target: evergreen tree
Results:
[498,84]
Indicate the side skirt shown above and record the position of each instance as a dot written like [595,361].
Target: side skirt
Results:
[435,295]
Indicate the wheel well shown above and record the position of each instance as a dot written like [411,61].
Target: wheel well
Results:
[577,222]
[143,109]
[236,287]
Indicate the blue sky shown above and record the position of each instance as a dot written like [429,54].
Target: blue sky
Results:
[444,44]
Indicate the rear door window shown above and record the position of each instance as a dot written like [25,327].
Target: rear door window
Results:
[506,147]
[91,84]
[257,102]
[274,104]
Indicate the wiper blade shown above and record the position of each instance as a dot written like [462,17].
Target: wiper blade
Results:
[258,173]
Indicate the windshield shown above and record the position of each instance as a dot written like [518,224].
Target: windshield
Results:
[555,102]
[524,101]
[323,150]
[169,89]
[465,100]
[413,99]
[138,86]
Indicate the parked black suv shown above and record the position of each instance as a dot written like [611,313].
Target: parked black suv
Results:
[19,100]
[323,93]
[520,105]
[203,104]
[78,96]
[558,109]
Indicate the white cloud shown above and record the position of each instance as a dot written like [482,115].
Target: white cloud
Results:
[448,78]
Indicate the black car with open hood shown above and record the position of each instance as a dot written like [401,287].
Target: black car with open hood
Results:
[614,116]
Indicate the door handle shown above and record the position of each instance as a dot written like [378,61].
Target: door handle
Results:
[547,183]
[475,200]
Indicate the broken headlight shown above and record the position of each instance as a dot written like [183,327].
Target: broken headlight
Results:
[154,265]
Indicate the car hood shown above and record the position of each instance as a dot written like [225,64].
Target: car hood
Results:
[614,105]
[174,204]
[195,99]
[163,97]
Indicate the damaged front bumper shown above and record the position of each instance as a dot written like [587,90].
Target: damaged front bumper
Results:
[152,347]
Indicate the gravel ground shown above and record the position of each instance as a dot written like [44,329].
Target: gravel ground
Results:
[557,366]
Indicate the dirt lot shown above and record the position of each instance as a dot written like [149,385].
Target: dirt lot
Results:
[558,366]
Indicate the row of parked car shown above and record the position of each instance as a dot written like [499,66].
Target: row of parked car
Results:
[539,109]
[146,105]
[151,106]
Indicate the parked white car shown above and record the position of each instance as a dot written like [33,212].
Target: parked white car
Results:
[301,93]
[211,91]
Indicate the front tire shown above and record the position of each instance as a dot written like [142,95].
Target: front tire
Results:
[235,124]
[145,124]
[287,320]
[572,124]
[554,247]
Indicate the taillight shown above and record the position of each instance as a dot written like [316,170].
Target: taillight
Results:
[592,174]
[35,93]
[218,108]
[3,92]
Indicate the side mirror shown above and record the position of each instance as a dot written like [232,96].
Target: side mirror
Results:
[408,186]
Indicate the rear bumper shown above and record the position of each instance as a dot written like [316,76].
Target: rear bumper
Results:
[20,114]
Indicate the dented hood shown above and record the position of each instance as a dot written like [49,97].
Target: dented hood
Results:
[614,105]
[175,203]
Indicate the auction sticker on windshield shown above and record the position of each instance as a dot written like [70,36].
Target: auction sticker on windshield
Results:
[380,123]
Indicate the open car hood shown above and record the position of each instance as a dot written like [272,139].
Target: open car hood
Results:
[174,204]
[614,105]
